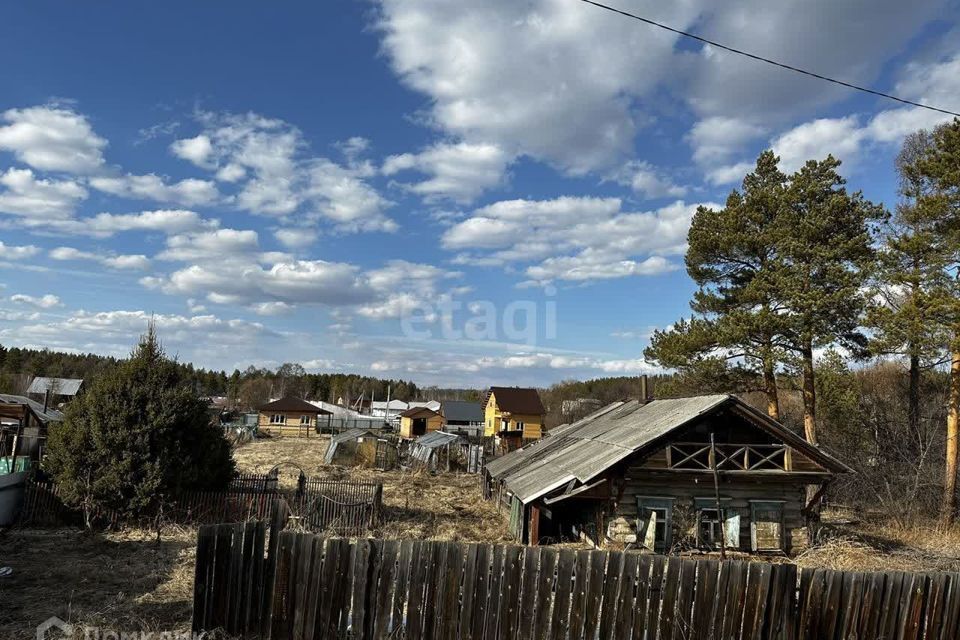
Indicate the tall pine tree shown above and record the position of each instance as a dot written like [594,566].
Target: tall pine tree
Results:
[730,257]
[824,252]
[940,165]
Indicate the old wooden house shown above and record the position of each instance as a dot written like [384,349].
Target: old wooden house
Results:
[666,475]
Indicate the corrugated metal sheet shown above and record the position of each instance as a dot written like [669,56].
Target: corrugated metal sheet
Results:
[424,446]
[588,447]
[57,386]
[51,415]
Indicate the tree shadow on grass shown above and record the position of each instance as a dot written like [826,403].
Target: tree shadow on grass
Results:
[124,581]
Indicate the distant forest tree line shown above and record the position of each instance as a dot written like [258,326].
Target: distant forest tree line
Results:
[245,389]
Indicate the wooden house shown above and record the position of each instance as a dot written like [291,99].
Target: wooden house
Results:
[643,475]
[513,415]
[289,417]
[419,421]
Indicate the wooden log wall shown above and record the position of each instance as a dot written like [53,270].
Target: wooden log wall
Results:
[335,588]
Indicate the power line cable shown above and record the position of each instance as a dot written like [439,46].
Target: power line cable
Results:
[768,60]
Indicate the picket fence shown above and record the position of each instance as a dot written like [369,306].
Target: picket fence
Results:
[330,506]
[289,585]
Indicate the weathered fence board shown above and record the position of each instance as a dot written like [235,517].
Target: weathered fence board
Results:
[301,586]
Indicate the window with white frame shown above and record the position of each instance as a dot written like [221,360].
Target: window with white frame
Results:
[504,424]
[655,523]
[278,418]
[713,524]
[305,421]
[519,426]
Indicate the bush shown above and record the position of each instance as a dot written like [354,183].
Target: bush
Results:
[137,439]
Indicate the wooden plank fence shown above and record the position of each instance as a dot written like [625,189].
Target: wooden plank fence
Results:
[339,507]
[309,587]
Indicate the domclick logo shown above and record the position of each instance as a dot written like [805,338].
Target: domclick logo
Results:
[53,628]
[522,321]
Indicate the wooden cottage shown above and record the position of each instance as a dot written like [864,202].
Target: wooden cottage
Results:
[513,415]
[289,417]
[643,475]
[419,421]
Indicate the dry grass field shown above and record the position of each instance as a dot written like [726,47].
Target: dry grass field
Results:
[128,580]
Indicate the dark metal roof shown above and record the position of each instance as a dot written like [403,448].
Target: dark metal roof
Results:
[461,411]
[56,386]
[293,404]
[581,451]
[517,400]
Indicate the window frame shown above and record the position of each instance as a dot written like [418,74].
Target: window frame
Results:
[305,421]
[727,516]
[753,526]
[282,419]
[652,503]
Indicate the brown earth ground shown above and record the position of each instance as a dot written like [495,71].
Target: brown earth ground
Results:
[128,580]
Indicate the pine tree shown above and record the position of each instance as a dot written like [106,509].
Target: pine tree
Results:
[940,165]
[137,439]
[911,281]
[824,252]
[731,252]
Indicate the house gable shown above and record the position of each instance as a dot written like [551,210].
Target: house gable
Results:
[742,444]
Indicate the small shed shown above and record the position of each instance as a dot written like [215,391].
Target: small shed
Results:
[419,421]
[436,450]
[23,430]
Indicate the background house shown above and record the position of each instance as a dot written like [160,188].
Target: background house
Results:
[513,415]
[642,474]
[418,421]
[389,411]
[460,416]
[289,417]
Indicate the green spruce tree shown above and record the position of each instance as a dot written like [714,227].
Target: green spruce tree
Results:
[137,439]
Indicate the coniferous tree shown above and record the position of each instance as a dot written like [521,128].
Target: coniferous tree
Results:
[824,252]
[730,256]
[939,164]
[911,281]
[138,438]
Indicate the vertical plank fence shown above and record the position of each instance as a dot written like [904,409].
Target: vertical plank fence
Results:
[338,589]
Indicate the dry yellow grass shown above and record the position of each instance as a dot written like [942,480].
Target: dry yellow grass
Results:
[124,581]
[417,504]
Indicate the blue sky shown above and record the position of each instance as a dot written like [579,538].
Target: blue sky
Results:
[461,193]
